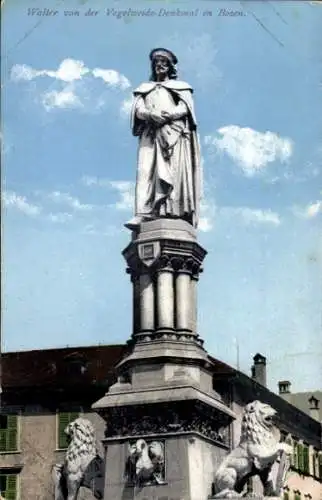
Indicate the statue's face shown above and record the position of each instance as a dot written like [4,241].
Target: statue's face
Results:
[161,67]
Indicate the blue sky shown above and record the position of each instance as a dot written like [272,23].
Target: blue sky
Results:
[69,163]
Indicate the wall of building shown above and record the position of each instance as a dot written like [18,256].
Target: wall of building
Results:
[38,453]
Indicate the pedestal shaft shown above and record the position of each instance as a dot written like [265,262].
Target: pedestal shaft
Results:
[146,305]
[165,299]
[184,301]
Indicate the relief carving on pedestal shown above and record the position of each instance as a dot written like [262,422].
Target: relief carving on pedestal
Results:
[259,453]
[182,417]
[145,463]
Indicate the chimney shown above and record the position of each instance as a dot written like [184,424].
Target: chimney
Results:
[259,369]
[314,406]
[284,387]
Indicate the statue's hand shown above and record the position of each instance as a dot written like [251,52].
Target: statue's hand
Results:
[167,116]
[157,118]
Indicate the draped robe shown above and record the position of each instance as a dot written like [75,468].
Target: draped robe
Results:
[168,179]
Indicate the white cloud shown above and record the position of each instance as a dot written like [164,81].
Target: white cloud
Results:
[60,217]
[207,214]
[126,107]
[63,99]
[313,209]
[125,190]
[250,149]
[69,73]
[69,70]
[112,77]
[251,215]
[23,72]
[13,200]
[66,199]
[310,211]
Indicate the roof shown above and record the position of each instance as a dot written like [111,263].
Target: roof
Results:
[301,400]
[59,367]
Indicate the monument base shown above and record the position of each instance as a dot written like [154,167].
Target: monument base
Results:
[167,429]
[254,497]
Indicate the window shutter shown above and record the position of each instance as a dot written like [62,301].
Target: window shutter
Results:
[306,460]
[11,492]
[12,432]
[295,455]
[8,435]
[3,440]
[63,422]
[286,496]
[300,457]
[64,419]
[3,483]
[320,465]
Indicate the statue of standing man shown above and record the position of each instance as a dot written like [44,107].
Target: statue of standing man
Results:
[168,182]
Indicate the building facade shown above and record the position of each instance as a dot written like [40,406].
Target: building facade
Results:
[42,391]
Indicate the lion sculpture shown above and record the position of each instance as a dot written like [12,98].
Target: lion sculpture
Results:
[258,450]
[82,465]
[145,462]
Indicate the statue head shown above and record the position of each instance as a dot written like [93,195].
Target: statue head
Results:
[163,63]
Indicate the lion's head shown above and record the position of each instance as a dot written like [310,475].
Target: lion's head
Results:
[258,423]
[82,441]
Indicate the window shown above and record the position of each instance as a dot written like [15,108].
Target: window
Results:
[64,418]
[306,460]
[295,455]
[8,485]
[297,495]
[300,457]
[286,496]
[8,433]
[320,465]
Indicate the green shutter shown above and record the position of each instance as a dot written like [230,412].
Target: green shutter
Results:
[9,486]
[3,440]
[64,419]
[300,457]
[286,496]
[11,493]
[295,456]
[8,436]
[63,422]
[306,460]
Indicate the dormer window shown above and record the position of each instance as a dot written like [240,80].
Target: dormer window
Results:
[75,364]
[314,403]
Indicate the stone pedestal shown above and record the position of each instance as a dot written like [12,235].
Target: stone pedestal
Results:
[164,398]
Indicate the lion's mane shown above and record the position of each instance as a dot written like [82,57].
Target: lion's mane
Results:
[82,442]
[254,429]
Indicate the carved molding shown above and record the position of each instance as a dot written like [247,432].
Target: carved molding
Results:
[167,255]
[177,417]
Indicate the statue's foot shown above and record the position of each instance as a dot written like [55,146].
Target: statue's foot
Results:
[227,493]
[134,223]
